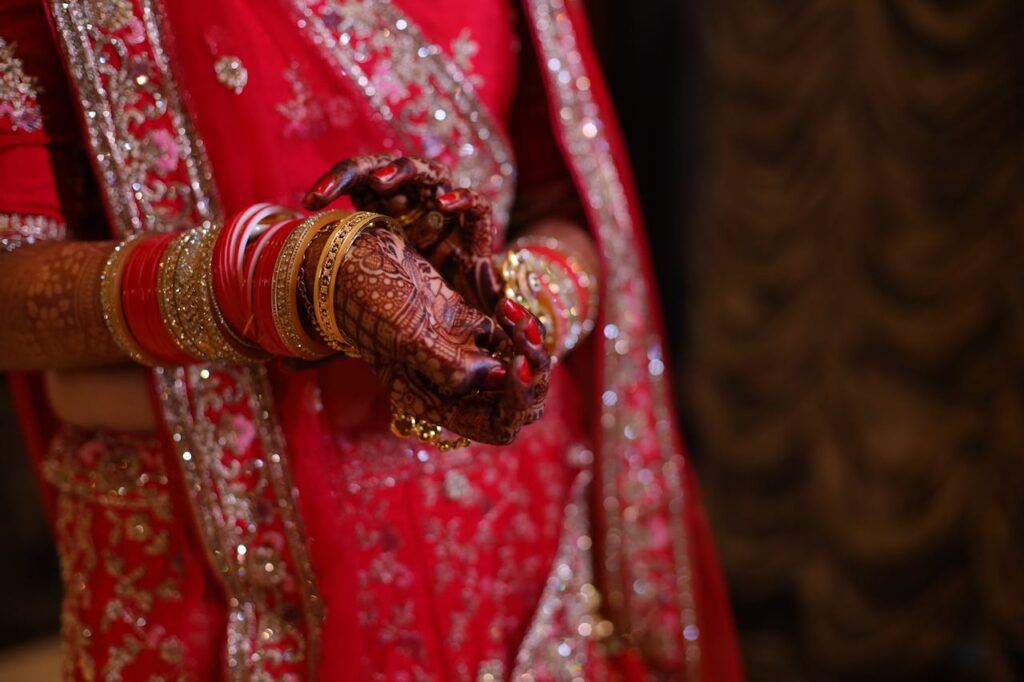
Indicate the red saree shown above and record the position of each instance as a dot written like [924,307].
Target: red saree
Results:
[257,539]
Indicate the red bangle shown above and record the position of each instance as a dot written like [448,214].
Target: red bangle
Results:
[140,302]
[262,277]
[230,286]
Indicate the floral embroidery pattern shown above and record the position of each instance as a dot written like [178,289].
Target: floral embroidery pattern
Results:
[305,115]
[416,88]
[231,72]
[18,92]
[115,487]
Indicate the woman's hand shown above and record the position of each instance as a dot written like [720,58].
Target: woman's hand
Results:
[452,228]
[437,355]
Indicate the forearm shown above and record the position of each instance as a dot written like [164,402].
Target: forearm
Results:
[50,307]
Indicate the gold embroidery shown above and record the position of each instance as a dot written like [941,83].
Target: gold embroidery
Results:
[231,72]
[17,230]
[115,487]
[19,92]
[156,177]
[423,94]
[636,499]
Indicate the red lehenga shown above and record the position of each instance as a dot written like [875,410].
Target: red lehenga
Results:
[250,540]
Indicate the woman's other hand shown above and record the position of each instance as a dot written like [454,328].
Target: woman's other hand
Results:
[452,228]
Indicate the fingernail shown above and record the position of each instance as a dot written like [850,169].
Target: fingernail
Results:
[525,375]
[386,173]
[495,378]
[532,332]
[513,310]
[322,187]
[446,199]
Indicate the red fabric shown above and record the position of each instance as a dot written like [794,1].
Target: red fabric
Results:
[428,564]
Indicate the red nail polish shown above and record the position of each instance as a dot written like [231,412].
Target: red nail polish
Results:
[323,187]
[495,378]
[532,332]
[513,310]
[524,373]
[386,173]
[449,198]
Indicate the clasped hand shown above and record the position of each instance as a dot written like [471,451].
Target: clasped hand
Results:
[413,306]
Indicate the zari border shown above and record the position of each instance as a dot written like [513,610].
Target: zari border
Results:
[185,196]
[560,638]
[458,120]
[625,355]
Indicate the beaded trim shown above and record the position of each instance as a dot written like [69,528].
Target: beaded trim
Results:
[17,230]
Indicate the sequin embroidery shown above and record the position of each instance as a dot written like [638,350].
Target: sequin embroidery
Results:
[19,92]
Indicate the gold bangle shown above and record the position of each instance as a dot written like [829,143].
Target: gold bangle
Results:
[166,287]
[550,290]
[110,302]
[285,287]
[338,244]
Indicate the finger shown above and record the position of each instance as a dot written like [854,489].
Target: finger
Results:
[476,229]
[345,176]
[411,169]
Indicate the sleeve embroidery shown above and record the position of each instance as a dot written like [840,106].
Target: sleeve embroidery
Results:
[18,230]
[18,93]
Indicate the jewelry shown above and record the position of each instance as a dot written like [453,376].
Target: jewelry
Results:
[541,275]
[140,302]
[339,243]
[110,301]
[405,425]
[287,282]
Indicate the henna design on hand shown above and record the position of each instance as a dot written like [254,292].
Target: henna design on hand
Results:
[437,355]
[452,228]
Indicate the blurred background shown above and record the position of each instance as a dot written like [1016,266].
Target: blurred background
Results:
[836,192]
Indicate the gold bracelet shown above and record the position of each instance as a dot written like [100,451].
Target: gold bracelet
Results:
[285,286]
[340,241]
[110,302]
[405,425]
[167,295]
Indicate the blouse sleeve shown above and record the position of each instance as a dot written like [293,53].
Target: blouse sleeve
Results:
[45,180]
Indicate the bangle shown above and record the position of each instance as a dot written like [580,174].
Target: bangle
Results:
[229,283]
[174,287]
[265,258]
[226,342]
[541,275]
[110,302]
[285,285]
[140,303]
[339,242]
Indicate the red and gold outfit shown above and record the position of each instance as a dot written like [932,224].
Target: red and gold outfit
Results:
[253,539]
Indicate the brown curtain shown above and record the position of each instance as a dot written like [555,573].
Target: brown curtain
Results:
[855,379]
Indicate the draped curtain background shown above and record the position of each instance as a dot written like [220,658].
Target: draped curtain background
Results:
[856,361]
